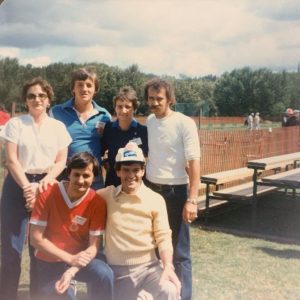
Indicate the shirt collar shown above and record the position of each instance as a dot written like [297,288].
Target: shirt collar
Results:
[115,124]
[139,194]
[31,120]
[70,104]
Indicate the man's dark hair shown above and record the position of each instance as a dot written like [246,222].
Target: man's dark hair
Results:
[157,84]
[84,74]
[81,160]
[127,93]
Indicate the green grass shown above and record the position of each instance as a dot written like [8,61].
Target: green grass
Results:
[231,267]
[237,126]
[226,266]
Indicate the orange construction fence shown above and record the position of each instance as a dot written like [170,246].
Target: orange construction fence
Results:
[225,150]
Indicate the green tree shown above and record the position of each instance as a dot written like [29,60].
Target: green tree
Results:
[243,91]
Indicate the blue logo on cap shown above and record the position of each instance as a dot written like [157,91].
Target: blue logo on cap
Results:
[129,153]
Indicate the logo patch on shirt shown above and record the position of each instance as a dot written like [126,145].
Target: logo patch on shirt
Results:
[77,220]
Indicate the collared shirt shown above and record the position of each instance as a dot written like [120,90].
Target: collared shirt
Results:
[114,138]
[136,225]
[37,146]
[86,135]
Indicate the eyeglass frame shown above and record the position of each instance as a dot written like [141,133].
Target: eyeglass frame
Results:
[41,96]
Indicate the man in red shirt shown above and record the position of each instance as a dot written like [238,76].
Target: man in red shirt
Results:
[67,223]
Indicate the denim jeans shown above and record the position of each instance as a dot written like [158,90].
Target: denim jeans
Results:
[97,274]
[175,197]
[14,230]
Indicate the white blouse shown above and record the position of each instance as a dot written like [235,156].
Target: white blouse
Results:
[37,146]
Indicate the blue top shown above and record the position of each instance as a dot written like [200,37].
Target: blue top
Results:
[114,138]
[85,136]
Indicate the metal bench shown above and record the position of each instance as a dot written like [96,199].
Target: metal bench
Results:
[255,186]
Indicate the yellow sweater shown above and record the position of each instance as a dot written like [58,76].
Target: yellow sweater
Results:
[136,225]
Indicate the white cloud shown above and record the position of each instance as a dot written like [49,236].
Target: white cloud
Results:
[37,61]
[9,52]
[194,37]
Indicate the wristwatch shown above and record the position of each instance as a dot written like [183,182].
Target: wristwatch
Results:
[192,200]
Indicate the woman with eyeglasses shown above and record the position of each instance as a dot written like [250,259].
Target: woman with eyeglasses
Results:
[36,153]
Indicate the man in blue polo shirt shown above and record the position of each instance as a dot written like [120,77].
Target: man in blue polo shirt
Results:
[84,119]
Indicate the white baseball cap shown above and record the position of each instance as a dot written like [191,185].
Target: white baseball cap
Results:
[131,153]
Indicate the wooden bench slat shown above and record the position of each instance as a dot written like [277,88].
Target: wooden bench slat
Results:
[294,173]
[274,161]
[248,192]
[227,176]
[289,179]
[243,191]
[212,203]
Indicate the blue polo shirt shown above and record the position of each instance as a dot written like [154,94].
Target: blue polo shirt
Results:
[85,136]
[114,138]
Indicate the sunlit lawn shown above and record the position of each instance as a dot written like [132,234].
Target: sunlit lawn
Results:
[231,267]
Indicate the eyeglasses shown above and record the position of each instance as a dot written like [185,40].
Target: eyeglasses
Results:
[41,96]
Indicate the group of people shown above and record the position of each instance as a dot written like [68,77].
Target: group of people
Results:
[253,121]
[290,117]
[127,237]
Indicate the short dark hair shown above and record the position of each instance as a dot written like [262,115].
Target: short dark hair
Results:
[127,93]
[157,84]
[81,160]
[44,84]
[84,74]
[128,163]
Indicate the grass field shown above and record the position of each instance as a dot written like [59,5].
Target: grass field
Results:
[231,267]
[226,266]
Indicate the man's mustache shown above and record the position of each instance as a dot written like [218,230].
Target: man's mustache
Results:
[153,106]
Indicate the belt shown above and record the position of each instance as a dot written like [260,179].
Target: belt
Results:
[35,177]
[162,187]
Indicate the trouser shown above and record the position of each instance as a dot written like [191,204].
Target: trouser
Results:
[97,274]
[142,282]
[14,233]
[175,197]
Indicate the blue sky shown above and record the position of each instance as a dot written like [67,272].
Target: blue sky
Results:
[191,37]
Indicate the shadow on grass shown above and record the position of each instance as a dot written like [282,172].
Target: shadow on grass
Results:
[277,220]
[23,294]
[285,253]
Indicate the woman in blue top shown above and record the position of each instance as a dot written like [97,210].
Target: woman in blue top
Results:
[124,129]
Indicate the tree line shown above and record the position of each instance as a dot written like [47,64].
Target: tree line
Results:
[234,93]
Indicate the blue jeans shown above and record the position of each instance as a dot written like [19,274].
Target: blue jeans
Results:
[14,229]
[97,274]
[175,197]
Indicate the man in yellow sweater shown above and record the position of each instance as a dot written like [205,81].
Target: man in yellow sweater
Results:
[137,223]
